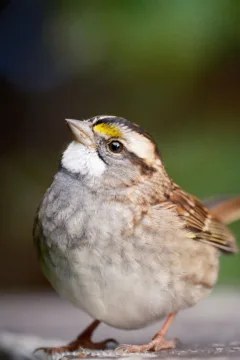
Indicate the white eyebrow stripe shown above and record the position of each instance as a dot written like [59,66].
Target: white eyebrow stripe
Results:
[140,145]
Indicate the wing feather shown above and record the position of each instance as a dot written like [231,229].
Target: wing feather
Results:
[202,224]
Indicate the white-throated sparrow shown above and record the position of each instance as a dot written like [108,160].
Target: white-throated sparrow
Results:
[120,240]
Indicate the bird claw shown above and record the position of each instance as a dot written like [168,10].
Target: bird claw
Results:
[44,349]
[110,340]
[51,350]
[155,345]
[76,346]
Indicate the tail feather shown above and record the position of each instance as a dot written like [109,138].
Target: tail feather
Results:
[227,210]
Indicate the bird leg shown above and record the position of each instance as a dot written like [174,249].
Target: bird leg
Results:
[158,342]
[84,340]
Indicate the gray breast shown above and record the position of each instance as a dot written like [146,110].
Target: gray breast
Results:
[72,214]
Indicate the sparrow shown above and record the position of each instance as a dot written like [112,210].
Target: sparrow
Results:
[118,238]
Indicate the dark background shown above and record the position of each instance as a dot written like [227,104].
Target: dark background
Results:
[171,66]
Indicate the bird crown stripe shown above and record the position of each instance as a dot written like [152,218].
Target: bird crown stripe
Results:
[108,129]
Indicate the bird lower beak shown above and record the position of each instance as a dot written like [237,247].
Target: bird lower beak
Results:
[81,131]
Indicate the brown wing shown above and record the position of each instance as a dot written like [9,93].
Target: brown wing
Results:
[202,225]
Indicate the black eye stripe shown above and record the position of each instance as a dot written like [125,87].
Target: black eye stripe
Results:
[143,166]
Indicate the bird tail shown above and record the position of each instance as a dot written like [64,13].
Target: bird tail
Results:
[226,209]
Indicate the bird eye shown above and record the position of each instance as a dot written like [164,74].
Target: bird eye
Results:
[115,146]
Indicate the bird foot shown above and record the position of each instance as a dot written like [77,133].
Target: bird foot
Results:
[157,344]
[84,340]
[77,345]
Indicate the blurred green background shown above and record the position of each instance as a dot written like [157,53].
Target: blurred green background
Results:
[170,65]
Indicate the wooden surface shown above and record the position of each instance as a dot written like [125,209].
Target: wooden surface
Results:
[27,321]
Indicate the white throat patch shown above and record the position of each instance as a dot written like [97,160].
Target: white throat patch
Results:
[78,158]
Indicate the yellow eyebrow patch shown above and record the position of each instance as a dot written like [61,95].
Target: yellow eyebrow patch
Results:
[108,129]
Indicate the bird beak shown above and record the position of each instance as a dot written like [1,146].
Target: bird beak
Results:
[81,131]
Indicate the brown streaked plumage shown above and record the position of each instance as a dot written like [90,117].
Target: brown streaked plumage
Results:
[204,225]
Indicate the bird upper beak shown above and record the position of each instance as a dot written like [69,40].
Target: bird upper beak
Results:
[81,131]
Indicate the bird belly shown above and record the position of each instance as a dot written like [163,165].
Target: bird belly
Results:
[120,297]
[131,282]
